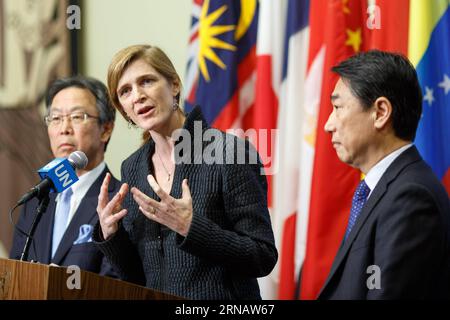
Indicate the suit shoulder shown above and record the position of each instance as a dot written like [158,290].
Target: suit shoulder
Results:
[28,210]
[420,176]
[137,155]
[420,173]
[115,183]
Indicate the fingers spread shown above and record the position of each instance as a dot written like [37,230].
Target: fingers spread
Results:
[186,190]
[123,190]
[116,202]
[103,195]
[155,186]
[151,214]
[115,218]
[143,200]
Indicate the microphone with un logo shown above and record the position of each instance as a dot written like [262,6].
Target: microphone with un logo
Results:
[58,175]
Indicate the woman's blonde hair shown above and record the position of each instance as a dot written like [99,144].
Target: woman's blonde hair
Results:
[154,56]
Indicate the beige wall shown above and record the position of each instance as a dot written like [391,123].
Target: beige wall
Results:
[110,25]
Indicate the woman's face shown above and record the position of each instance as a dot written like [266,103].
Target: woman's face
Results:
[146,95]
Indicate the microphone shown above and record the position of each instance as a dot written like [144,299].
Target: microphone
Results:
[58,175]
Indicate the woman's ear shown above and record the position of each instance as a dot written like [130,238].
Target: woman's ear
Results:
[175,87]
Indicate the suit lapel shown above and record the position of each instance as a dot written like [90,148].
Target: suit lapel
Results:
[365,213]
[406,158]
[144,170]
[86,213]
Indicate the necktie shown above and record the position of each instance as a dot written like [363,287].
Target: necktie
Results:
[358,202]
[61,216]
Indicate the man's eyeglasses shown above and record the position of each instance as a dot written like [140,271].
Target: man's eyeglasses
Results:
[76,118]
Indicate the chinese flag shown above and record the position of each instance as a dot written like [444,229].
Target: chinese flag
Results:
[336,26]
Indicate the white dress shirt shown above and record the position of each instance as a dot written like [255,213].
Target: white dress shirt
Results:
[374,175]
[80,188]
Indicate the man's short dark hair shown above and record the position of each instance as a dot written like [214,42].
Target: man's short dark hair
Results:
[375,74]
[105,110]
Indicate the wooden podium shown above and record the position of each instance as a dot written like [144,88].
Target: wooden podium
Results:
[33,281]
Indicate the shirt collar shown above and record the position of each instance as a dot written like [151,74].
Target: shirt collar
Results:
[86,180]
[374,175]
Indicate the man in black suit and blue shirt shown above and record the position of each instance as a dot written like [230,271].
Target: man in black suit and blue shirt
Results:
[397,242]
[79,117]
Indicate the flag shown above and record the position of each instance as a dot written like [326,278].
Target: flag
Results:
[417,28]
[221,73]
[270,70]
[429,51]
[222,61]
[281,62]
[336,33]
[286,83]
[387,26]
[293,138]
[269,60]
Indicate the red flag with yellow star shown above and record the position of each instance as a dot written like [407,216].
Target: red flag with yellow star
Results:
[341,28]
[337,27]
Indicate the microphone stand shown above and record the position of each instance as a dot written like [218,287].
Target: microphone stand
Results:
[44,199]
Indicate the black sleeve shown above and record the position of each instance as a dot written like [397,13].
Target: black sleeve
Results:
[409,244]
[120,251]
[249,247]
[121,254]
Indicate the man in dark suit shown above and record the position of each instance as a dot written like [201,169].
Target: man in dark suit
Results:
[397,243]
[79,117]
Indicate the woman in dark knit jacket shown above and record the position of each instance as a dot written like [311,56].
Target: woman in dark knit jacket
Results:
[195,223]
